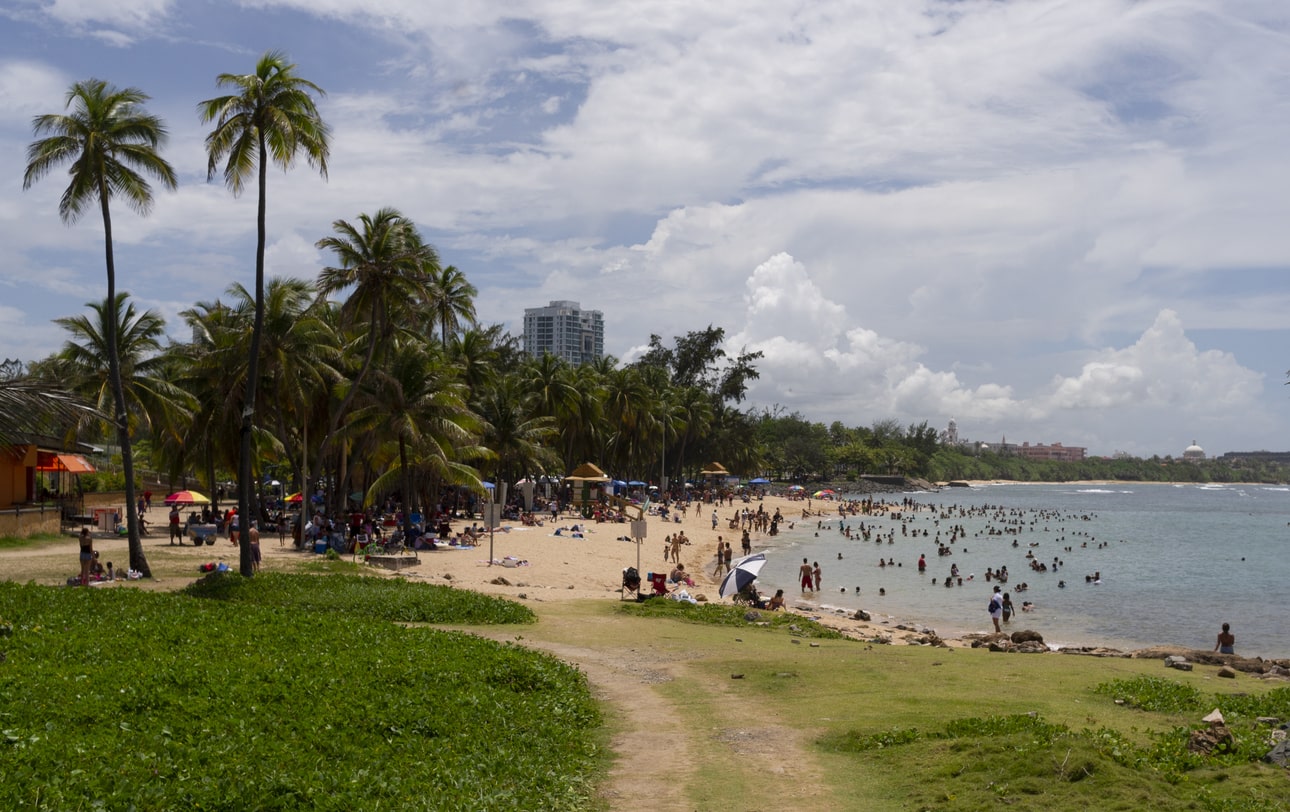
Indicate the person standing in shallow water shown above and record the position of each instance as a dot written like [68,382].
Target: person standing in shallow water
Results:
[807,576]
[1226,643]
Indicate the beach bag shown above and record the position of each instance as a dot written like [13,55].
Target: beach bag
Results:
[993,607]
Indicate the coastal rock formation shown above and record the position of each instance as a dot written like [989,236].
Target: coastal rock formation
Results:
[1027,636]
[1247,665]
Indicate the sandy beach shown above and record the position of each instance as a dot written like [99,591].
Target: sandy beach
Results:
[530,563]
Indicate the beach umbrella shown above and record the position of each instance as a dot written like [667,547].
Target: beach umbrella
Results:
[742,573]
[636,483]
[187,498]
[824,494]
[295,497]
[759,481]
[796,488]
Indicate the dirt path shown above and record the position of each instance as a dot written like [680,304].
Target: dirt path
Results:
[662,757]
[653,693]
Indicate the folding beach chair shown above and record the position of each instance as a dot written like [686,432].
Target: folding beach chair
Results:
[631,584]
[659,582]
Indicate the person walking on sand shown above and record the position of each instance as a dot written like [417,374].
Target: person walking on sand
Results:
[721,556]
[996,608]
[1226,643]
[806,576]
[715,519]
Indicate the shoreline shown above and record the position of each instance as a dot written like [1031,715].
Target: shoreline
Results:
[535,565]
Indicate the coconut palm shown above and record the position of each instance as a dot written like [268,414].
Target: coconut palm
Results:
[36,406]
[150,396]
[387,269]
[298,353]
[111,143]
[272,116]
[420,404]
[522,441]
[452,302]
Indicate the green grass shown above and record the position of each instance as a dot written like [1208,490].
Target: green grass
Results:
[369,596]
[35,540]
[896,727]
[716,614]
[285,693]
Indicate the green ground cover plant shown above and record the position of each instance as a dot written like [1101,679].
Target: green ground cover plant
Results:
[1025,761]
[371,596]
[716,614]
[274,699]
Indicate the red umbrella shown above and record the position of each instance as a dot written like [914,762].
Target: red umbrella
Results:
[295,497]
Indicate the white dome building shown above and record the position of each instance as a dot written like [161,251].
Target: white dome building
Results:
[1193,452]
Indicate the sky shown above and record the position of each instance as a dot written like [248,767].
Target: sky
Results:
[1054,221]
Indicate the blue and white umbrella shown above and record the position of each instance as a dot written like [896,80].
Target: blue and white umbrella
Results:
[759,481]
[742,573]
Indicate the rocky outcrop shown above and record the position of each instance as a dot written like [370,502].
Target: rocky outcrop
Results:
[1246,665]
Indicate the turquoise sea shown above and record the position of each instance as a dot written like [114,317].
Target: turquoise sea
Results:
[1176,561]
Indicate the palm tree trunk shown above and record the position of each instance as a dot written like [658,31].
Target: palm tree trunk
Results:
[246,565]
[349,396]
[407,488]
[138,561]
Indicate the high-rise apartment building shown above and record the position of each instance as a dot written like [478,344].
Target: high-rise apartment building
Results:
[566,331]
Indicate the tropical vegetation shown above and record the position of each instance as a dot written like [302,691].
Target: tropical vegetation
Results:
[374,382]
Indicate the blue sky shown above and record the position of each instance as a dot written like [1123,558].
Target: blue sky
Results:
[1053,221]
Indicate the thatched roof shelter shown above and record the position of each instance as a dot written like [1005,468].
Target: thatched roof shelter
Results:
[587,472]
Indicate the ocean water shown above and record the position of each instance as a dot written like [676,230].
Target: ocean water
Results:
[1176,561]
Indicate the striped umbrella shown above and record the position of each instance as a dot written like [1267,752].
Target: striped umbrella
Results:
[742,573]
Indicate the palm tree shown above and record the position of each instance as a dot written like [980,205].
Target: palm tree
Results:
[522,441]
[418,399]
[150,396]
[111,142]
[30,405]
[452,301]
[271,117]
[299,349]
[383,259]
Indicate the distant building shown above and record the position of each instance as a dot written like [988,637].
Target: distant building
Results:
[1039,451]
[1193,453]
[1056,451]
[566,331]
[1277,457]
[951,434]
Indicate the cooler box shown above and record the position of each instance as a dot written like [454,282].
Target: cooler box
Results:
[320,547]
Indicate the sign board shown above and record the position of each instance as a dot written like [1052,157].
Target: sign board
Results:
[638,528]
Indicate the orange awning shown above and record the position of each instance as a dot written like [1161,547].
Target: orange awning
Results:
[67,463]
